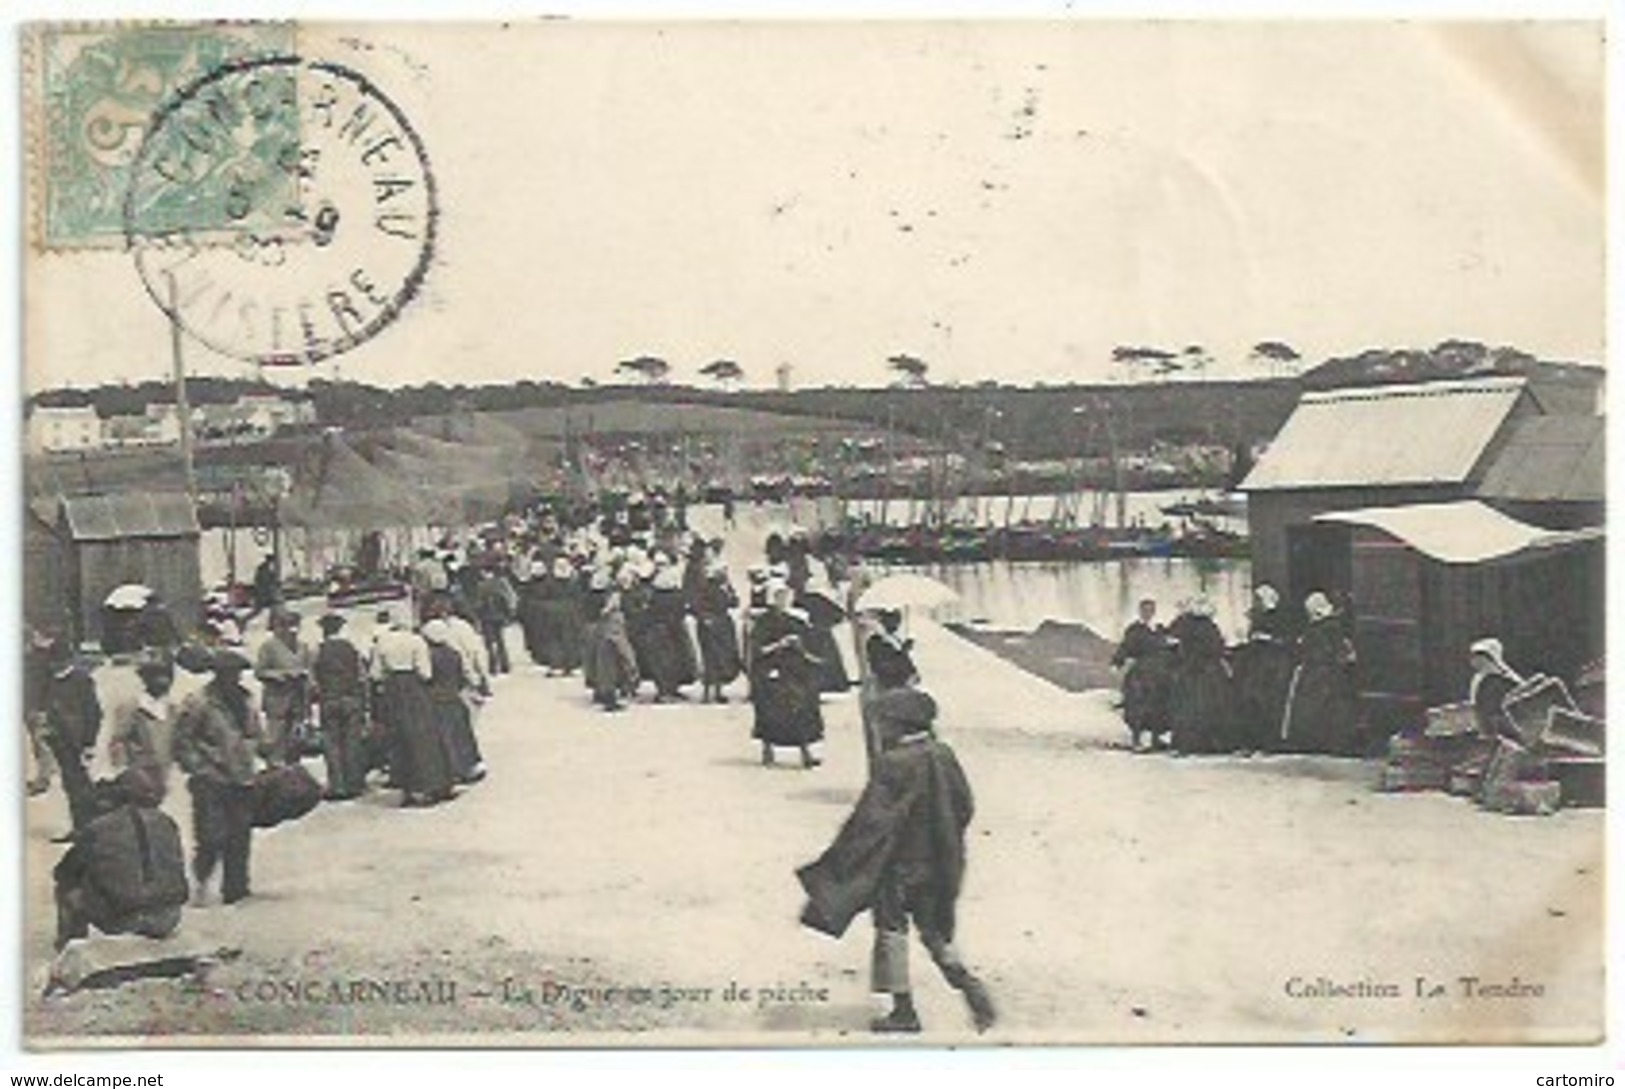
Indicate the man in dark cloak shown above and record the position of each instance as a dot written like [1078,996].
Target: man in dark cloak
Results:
[901,854]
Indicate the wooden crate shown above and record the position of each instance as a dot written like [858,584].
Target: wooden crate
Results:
[1529,706]
[1584,782]
[1451,720]
[1524,797]
[1570,731]
[1398,777]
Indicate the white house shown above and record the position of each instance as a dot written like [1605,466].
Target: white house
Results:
[58,430]
[164,420]
[268,413]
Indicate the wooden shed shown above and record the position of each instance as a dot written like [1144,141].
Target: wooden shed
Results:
[134,537]
[47,604]
[1379,446]
[1426,580]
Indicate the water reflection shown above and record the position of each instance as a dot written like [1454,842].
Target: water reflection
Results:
[1099,595]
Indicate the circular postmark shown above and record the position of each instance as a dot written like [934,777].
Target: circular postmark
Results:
[281,210]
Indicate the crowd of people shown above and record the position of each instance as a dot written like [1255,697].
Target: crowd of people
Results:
[1287,687]
[629,602]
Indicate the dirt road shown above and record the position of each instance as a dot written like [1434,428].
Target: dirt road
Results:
[628,873]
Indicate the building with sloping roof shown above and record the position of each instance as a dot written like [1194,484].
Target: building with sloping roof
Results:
[1551,472]
[106,541]
[1437,514]
[1375,446]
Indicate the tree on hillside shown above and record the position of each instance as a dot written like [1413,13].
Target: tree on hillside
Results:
[1457,356]
[1277,355]
[724,372]
[910,370]
[1157,362]
[651,370]
[1195,360]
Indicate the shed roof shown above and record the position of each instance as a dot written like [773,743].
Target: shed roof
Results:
[1550,459]
[1465,531]
[1428,433]
[129,514]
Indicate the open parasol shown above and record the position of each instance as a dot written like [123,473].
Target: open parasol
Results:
[907,591]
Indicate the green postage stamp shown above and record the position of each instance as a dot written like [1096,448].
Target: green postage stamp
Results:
[91,95]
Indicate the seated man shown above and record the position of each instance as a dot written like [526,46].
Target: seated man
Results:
[1492,681]
[126,870]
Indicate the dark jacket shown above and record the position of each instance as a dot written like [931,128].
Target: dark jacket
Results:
[73,709]
[913,816]
[215,735]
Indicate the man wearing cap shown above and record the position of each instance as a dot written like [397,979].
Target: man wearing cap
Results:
[73,720]
[901,854]
[339,676]
[283,669]
[495,604]
[215,734]
[143,729]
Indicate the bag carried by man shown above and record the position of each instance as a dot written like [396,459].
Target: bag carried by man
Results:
[133,857]
[284,794]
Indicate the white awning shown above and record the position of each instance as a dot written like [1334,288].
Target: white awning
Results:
[1461,532]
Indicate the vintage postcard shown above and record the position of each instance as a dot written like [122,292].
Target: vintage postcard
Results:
[573,534]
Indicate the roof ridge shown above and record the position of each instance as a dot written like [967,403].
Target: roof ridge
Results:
[1500,383]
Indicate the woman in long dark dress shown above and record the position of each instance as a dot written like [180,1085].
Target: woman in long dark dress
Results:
[1320,711]
[532,611]
[1264,667]
[784,681]
[1146,658]
[448,683]
[634,595]
[402,667]
[712,603]
[672,660]
[823,613]
[558,604]
[611,665]
[1201,702]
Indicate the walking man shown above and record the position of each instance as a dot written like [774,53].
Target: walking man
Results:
[215,734]
[901,854]
[496,603]
[283,669]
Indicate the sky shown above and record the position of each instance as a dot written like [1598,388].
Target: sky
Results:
[1003,200]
